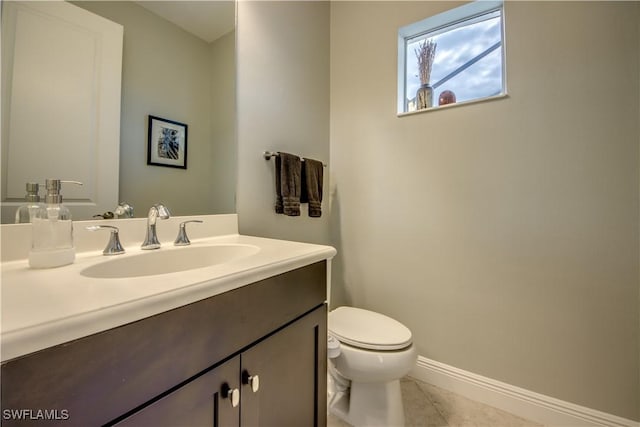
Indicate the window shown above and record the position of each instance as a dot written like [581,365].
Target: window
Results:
[454,57]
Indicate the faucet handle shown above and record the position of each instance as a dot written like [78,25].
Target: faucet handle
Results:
[106,215]
[113,246]
[182,239]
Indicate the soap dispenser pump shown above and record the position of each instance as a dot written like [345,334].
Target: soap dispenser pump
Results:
[26,211]
[52,230]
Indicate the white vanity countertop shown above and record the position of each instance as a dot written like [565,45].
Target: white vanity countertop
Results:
[42,308]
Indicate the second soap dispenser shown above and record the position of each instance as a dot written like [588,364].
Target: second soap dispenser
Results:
[31,204]
[52,232]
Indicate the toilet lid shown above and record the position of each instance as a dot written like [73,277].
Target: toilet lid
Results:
[367,329]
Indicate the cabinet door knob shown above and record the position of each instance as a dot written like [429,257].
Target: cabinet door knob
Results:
[252,380]
[233,394]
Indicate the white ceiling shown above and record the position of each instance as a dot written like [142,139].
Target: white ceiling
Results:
[207,20]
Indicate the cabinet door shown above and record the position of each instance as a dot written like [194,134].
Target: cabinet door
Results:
[205,401]
[291,370]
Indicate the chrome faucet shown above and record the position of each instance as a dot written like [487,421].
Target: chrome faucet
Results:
[156,211]
[124,210]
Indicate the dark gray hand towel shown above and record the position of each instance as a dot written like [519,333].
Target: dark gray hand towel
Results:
[288,184]
[312,171]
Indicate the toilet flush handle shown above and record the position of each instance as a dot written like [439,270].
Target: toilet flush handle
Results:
[252,380]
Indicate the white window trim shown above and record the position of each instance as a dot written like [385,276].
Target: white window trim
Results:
[443,20]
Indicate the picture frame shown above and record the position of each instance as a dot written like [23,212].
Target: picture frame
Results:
[167,143]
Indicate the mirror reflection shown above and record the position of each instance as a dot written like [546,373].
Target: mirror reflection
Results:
[178,63]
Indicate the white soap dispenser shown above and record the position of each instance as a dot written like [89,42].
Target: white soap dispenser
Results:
[52,230]
[31,204]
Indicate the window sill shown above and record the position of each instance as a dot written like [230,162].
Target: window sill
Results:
[456,104]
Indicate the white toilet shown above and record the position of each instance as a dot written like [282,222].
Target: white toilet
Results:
[368,354]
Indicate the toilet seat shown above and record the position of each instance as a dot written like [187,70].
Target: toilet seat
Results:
[368,330]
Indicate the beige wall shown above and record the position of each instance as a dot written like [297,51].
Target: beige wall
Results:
[223,124]
[504,234]
[167,72]
[283,104]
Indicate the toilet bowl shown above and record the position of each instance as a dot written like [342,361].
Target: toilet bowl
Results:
[375,351]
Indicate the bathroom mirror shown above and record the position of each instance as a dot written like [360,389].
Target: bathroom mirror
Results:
[178,63]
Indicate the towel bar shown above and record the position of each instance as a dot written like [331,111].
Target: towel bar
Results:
[269,154]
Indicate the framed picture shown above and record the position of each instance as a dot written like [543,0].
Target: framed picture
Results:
[167,143]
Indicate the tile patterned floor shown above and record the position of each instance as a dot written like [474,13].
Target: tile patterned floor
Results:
[426,405]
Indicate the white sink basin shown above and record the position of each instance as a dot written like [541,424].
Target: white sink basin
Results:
[168,260]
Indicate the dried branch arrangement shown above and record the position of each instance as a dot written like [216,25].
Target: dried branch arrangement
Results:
[425,53]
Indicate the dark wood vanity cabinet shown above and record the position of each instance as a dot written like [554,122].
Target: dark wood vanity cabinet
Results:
[276,381]
[254,356]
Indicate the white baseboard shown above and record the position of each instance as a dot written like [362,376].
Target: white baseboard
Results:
[523,403]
